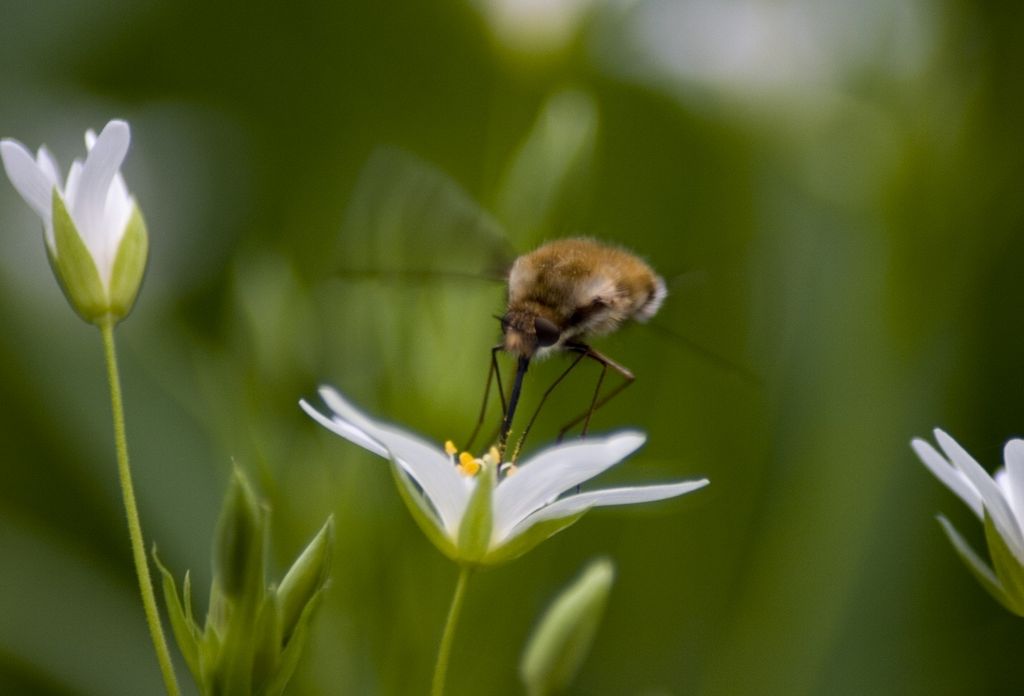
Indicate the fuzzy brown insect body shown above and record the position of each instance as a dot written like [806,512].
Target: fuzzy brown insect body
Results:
[569,289]
[559,295]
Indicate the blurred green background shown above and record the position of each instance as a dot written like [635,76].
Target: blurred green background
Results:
[831,188]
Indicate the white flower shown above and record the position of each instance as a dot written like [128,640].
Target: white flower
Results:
[94,232]
[997,501]
[489,518]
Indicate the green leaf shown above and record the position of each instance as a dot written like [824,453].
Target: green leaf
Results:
[525,541]
[562,639]
[76,269]
[186,633]
[425,518]
[1007,567]
[477,521]
[129,265]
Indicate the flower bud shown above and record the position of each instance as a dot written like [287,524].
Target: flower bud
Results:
[238,553]
[253,635]
[95,236]
[562,640]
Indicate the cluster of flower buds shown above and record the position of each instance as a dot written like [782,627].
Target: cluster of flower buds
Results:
[253,634]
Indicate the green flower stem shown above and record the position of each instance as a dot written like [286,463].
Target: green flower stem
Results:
[156,631]
[445,649]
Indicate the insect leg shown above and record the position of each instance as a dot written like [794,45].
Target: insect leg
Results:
[492,370]
[596,403]
[540,404]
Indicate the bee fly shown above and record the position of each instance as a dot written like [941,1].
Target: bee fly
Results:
[559,295]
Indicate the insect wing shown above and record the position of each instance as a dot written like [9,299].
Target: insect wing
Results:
[407,218]
[415,291]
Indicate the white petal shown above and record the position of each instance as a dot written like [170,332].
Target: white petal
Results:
[432,470]
[954,479]
[346,430]
[28,178]
[118,208]
[74,177]
[1013,456]
[992,497]
[544,477]
[89,202]
[48,164]
[572,504]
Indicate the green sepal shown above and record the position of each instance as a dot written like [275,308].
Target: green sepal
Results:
[985,576]
[560,643]
[425,518]
[267,636]
[186,633]
[478,520]
[1007,567]
[187,599]
[305,578]
[236,663]
[521,543]
[129,265]
[217,611]
[289,658]
[76,270]
[210,646]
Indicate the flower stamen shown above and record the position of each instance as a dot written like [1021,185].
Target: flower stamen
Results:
[469,465]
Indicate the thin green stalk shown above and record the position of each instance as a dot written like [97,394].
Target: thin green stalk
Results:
[156,631]
[448,637]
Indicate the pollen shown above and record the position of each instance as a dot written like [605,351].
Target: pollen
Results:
[450,448]
[468,465]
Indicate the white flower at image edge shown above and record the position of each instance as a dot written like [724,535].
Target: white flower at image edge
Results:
[997,501]
[93,229]
[484,520]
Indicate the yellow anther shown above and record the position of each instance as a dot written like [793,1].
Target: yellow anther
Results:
[468,465]
[450,448]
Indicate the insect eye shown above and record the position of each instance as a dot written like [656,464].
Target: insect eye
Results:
[547,333]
